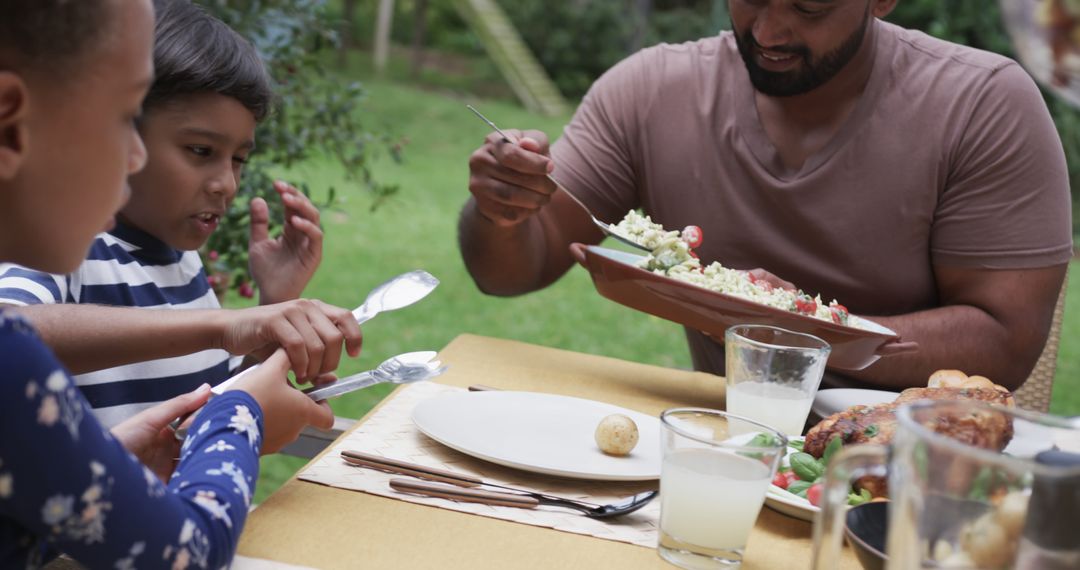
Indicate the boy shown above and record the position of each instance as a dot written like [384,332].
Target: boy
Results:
[198,123]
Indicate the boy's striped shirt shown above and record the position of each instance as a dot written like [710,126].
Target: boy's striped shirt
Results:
[128,267]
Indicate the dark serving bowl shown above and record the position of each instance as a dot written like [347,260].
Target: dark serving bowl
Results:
[866,527]
[616,277]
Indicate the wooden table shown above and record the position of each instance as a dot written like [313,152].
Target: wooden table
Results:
[309,524]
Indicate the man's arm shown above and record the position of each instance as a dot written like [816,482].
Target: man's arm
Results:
[94,337]
[515,230]
[991,322]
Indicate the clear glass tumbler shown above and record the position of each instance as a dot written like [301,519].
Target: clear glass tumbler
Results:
[773,374]
[715,472]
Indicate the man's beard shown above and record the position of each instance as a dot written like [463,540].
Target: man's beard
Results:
[813,73]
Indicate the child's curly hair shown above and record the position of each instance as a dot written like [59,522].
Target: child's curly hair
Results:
[51,35]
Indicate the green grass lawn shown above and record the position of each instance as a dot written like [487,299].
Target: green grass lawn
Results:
[416,229]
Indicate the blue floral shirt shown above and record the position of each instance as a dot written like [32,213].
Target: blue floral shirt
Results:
[67,485]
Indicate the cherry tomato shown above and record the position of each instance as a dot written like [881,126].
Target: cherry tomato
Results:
[780,481]
[813,494]
[806,305]
[693,236]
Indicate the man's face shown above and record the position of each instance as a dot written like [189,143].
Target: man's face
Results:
[791,47]
[196,149]
[81,145]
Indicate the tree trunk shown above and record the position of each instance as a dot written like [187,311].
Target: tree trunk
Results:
[419,36]
[642,12]
[348,42]
[383,23]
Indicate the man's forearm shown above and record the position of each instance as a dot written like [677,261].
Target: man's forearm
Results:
[502,260]
[959,337]
[94,337]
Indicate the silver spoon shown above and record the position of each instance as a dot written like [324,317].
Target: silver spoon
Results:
[395,293]
[401,369]
[608,229]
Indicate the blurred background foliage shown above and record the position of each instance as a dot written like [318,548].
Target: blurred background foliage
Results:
[577,40]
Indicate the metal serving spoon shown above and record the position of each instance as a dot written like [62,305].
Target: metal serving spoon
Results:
[401,369]
[395,293]
[608,229]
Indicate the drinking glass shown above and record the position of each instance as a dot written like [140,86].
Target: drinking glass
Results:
[773,374]
[715,472]
[954,503]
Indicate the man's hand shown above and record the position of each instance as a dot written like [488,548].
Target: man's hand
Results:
[283,266]
[148,436]
[509,179]
[310,331]
[762,275]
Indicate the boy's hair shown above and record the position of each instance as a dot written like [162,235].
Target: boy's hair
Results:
[52,34]
[195,52]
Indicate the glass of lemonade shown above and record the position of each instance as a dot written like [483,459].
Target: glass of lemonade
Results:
[773,374]
[715,472]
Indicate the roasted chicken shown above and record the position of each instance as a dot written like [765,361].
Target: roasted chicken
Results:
[877,424]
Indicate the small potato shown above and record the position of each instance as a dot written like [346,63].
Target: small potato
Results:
[947,379]
[1012,512]
[978,382]
[987,543]
[616,435]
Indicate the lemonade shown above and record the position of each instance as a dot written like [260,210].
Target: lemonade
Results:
[710,499]
[783,408]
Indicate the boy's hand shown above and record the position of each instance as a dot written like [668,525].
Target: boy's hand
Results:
[282,266]
[147,434]
[310,331]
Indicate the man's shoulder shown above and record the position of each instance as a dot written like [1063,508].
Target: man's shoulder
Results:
[687,55]
[922,52]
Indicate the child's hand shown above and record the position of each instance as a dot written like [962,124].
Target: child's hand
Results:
[311,332]
[282,267]
[286,410]
[147,434]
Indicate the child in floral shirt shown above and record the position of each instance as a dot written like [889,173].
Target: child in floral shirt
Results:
[72,79]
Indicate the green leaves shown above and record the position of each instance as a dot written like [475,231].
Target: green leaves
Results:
[833,446]
[863,496]
[806,467]
[799,487]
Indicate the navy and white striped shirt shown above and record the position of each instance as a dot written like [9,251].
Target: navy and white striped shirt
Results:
[128,267]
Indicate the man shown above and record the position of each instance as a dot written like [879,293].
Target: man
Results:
[919,182]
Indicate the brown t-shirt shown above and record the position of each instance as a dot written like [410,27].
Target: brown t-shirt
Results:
[950,158]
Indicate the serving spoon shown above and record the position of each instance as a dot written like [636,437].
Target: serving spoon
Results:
[394,293]
[608,229]
[401,369]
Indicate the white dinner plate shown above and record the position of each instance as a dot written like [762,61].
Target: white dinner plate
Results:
[832,400]
[542,433]
[788,504]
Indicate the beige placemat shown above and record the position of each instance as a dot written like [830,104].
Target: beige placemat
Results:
[391,433]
